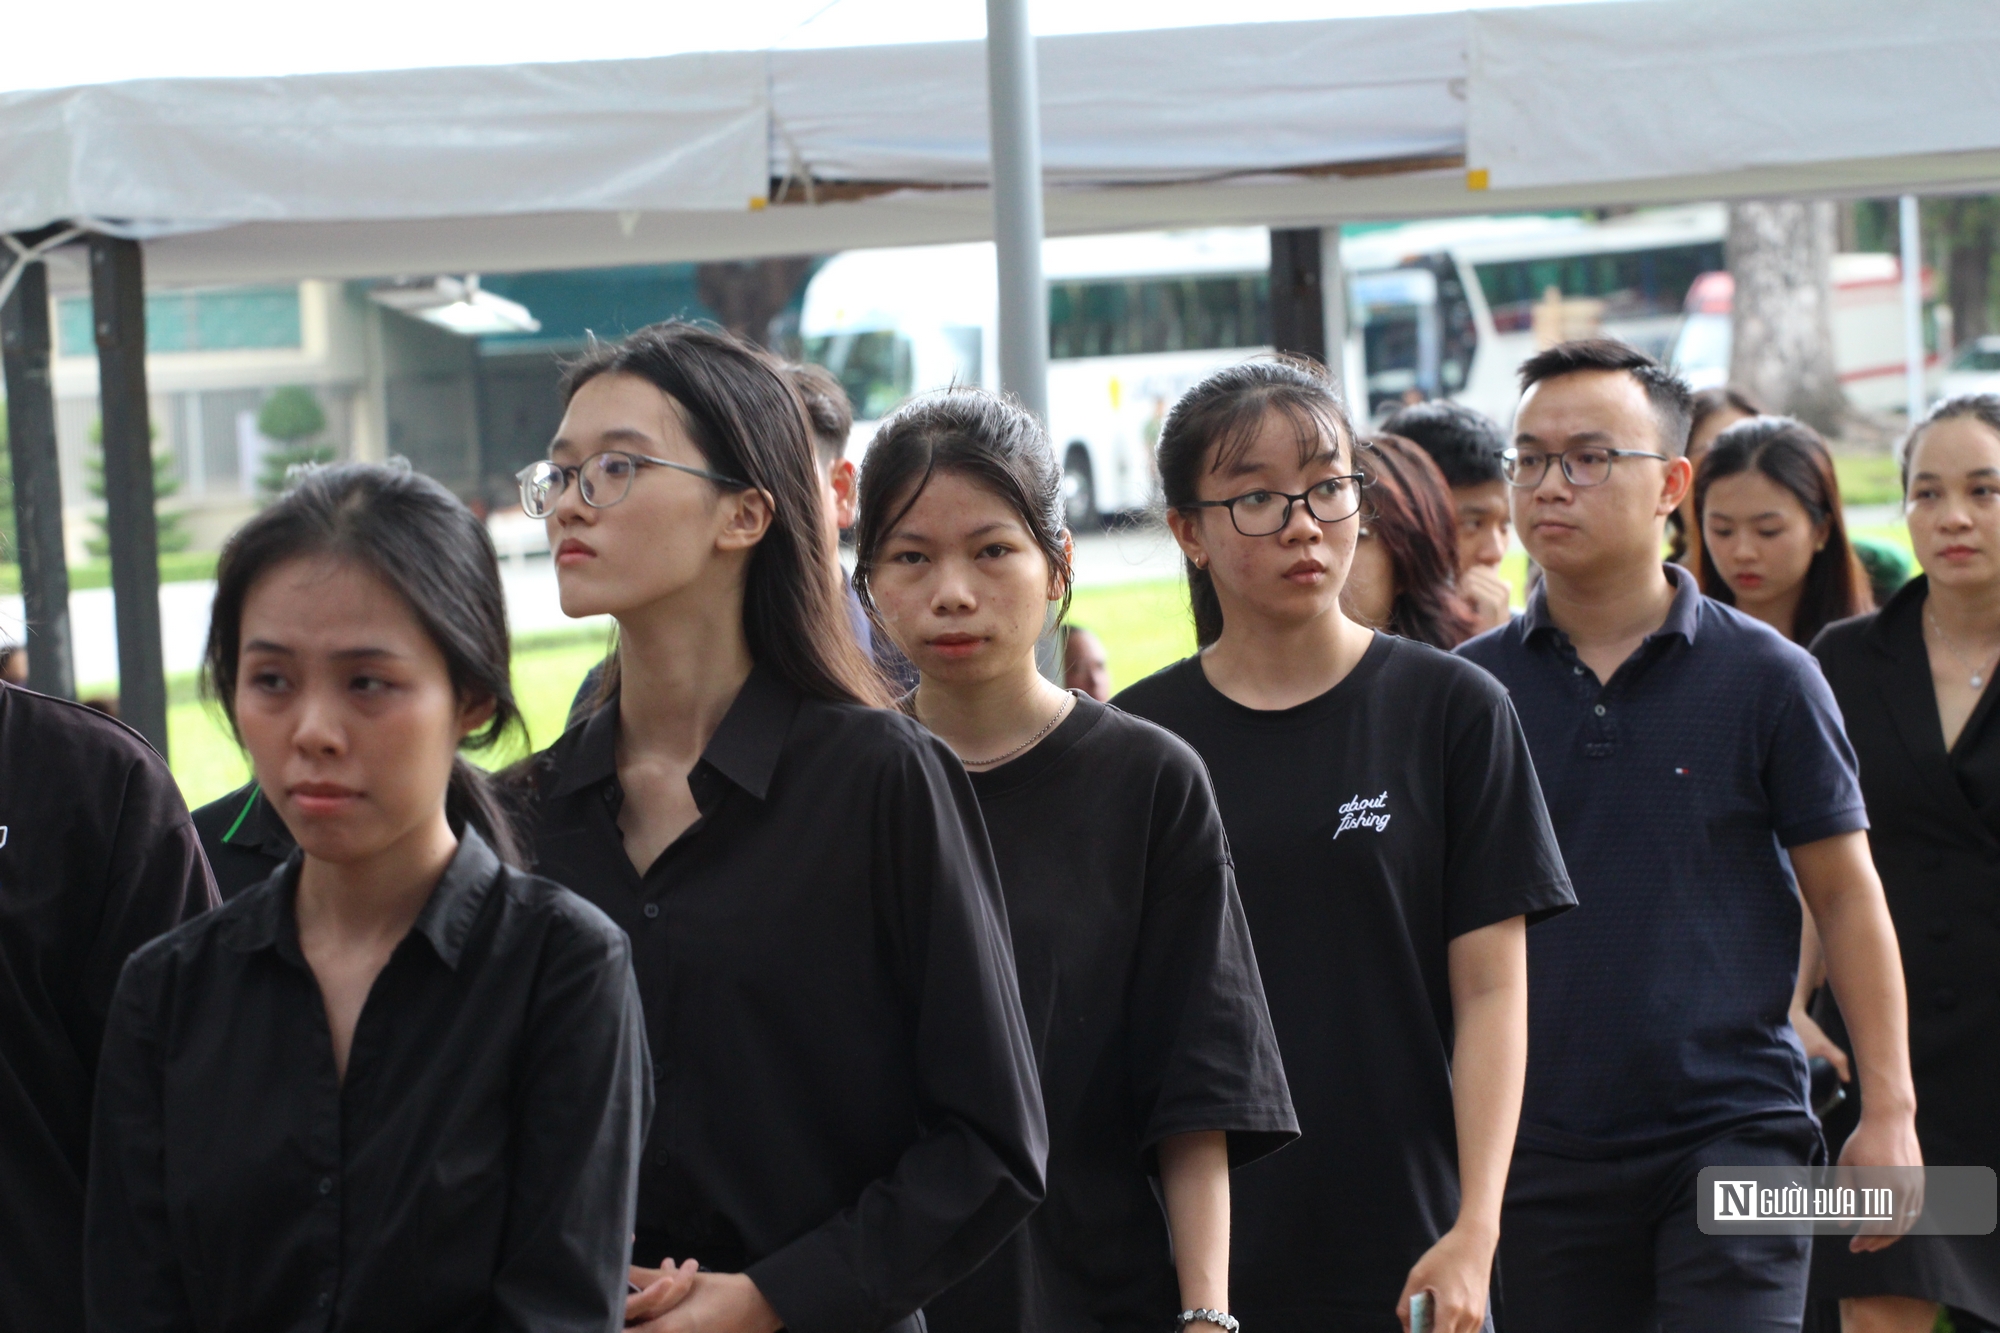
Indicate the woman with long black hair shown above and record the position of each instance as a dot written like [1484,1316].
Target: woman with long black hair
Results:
[1915,684]
[1390,844]
[849,1120]
[1773,537]
[400,1084]
[1141,989]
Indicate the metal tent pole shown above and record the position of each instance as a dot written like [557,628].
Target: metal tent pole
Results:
[31,446]
[1016,136]
[118,303]
[1913,307]
[1298,306]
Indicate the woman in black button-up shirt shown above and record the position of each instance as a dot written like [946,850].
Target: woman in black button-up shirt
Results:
[399,1085]
[849,1119]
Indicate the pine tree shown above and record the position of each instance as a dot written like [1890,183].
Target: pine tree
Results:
[167,523]
[290,418]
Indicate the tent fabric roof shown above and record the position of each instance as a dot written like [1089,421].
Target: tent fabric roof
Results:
[589,163]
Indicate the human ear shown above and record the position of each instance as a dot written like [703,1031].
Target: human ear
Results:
[1187,535]
[842,491]
[750,513]
[1058,585]
[476,713]
[1679,481]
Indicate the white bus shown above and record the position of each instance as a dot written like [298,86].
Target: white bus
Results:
[1450,309]
[1134,320]
[1438,309]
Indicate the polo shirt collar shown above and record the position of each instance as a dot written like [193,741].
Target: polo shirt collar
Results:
[257,826]
[270,919]
[1683,616]
[744,748]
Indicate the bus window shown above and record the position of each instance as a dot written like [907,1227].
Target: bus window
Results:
[1397,313]
[873,367]
[1633,284]
[1135,316]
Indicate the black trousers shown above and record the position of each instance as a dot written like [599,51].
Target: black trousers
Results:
[1612,1246]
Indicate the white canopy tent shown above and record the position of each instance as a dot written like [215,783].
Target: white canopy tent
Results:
[502,167]
[739,154]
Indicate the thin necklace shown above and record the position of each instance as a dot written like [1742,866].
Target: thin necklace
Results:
[1062,710]
[1978,674]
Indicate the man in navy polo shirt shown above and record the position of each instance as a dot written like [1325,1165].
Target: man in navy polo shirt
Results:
[1680,745]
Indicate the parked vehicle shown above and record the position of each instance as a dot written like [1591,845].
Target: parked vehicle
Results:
[1974,368]
[1867,331]
[1450,309]
[1134,321]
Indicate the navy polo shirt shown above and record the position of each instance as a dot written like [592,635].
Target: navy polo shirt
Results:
[1658,1008]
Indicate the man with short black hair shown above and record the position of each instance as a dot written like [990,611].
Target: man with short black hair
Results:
[1680,745]
[1466,445]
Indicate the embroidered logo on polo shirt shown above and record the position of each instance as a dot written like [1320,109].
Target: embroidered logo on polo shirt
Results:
[1369,812]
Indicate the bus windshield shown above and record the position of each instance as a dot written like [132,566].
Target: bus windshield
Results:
[874,367]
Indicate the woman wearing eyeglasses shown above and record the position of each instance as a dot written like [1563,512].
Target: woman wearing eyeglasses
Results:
[1390,846]
[848,1119]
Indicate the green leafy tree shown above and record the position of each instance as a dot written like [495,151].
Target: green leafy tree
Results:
[173,535]
[290,418]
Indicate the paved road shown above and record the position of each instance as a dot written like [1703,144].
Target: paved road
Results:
[532,607]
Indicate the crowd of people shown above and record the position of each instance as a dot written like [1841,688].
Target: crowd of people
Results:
[1396,961]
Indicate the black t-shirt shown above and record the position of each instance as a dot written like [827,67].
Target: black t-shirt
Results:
[1142,996]
[1370,826]
[96,858]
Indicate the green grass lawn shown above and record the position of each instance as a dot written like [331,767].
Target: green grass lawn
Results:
[1144,626]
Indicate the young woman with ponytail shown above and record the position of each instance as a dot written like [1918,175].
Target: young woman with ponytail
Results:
[849,1115]
[400,1084]
[1390,845]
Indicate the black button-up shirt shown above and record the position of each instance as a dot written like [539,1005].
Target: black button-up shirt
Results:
[848,1108]
[473,1171]
[96,858]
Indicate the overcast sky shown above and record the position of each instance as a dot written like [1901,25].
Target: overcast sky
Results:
[51,46]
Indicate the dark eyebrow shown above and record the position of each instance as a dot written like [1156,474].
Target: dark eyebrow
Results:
[365,653]
[1976,472]
[1587,436]
[1243,466]
[616,436]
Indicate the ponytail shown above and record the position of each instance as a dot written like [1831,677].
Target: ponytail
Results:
[473,799]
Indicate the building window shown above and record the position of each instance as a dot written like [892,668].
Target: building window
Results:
[230,319]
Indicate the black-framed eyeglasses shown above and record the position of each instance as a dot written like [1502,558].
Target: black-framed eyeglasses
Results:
[1261,513]
[1588,466]
[602,480]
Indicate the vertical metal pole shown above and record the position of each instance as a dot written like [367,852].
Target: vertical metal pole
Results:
[1333,308]
[118,302]
[1298,306]
[1016,138]
[1908,225]
[38,511]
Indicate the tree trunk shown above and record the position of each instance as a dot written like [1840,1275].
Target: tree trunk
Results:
[1969,227]
[749,296]
[1781,257]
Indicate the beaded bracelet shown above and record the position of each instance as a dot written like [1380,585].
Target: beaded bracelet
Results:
[1227,1323]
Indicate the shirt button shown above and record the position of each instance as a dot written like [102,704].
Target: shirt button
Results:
[660,1158]
[325,1299]
[326,1184]
[651,910]
[1576,671]
[1599,710]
